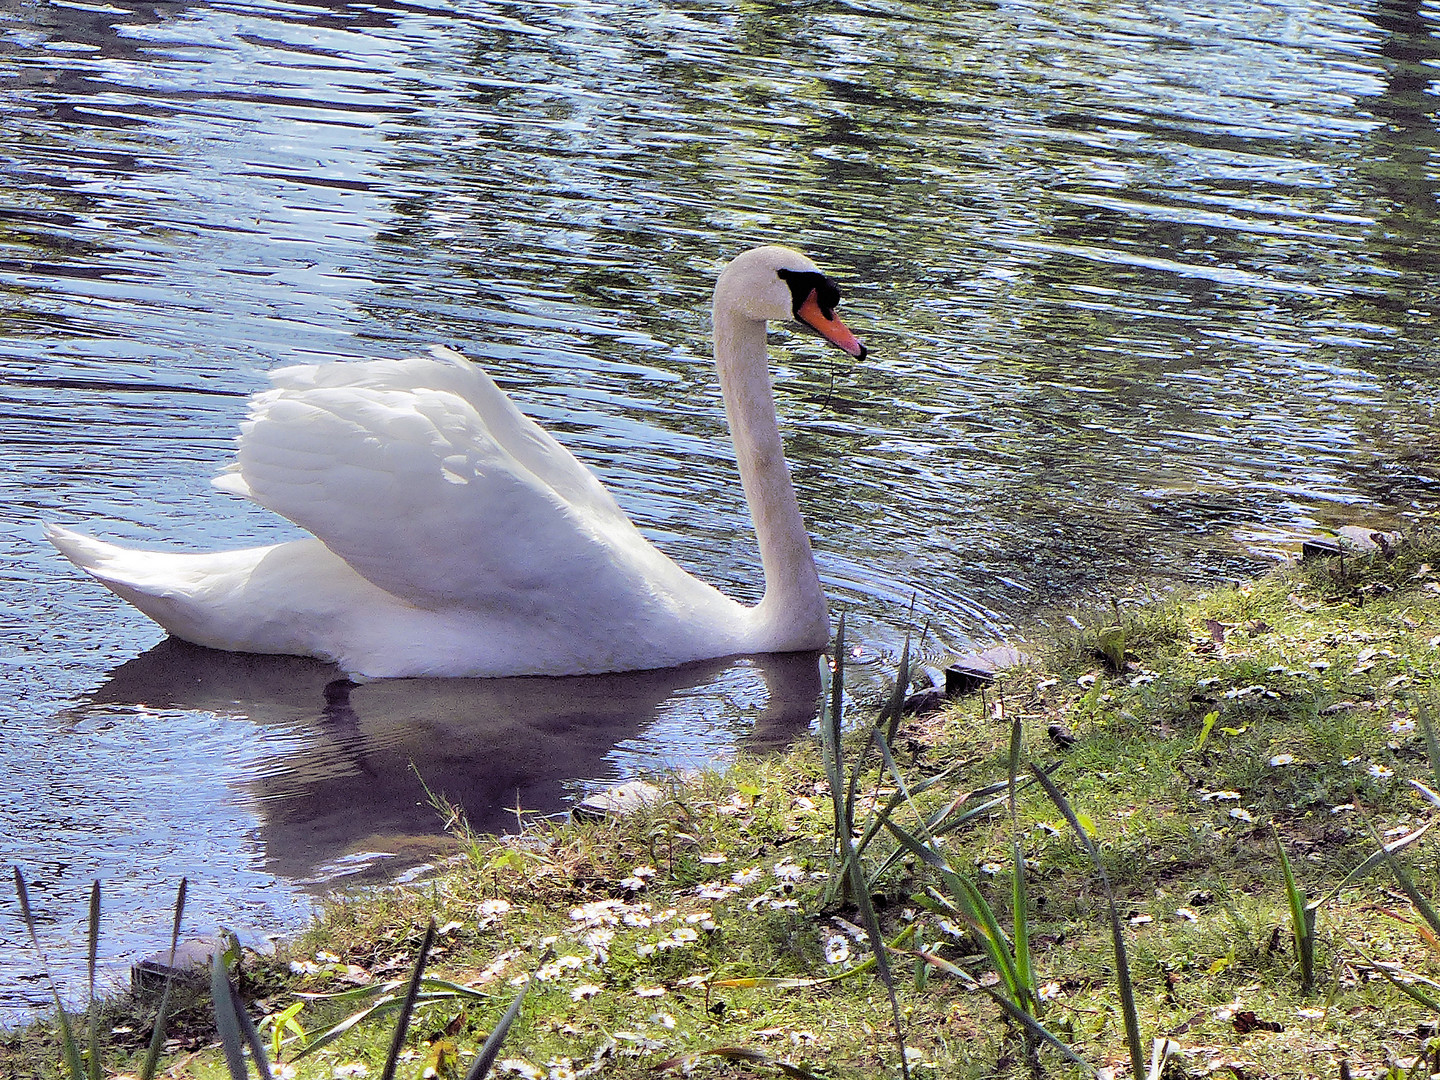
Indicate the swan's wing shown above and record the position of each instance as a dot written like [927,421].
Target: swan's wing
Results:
[426,479]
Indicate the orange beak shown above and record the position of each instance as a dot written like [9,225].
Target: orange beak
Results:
[829,327]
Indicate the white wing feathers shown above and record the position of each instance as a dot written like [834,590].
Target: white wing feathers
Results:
[428,481]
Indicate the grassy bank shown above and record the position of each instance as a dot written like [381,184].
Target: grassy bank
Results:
[1203,744]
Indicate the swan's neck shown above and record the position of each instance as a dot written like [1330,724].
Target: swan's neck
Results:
[794,604]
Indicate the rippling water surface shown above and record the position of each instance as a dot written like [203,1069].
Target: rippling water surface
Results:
[1151,292]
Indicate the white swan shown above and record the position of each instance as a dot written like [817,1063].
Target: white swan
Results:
[454,537]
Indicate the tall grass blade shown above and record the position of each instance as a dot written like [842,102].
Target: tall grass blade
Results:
[1019,1015]
[331,1034]
[837,707]
[1409,989]
[895,707]
[92,1011]
[974,906]
[490,1050]
[1432,744]
[831,754]
[1407,886]
[774,982]
[407,1007]
[431,990]
[955,814]
[389,1001]
[972,909]
[979,914]
[1019,897]
[232,1022]
[1016,734]
[157,1036]
[837,687]
[1037,1029]
[1117,931]
[850,869]
[1020,904]
[758,982]
[1373,860]
[877,947]
[227,1024]
[251,1034]
[67,1036]
[1302,919]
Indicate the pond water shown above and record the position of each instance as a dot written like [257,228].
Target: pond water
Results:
[1150,290]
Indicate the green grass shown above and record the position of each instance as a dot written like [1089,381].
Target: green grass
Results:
[711,932]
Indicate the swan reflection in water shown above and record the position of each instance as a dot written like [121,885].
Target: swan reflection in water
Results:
[355,761]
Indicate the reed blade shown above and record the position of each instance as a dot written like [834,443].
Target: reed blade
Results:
[1020,904]
[407,1006]
[227,1024]
[490,1049]
[157,1036]
[1128,1010]
[328,1036]
[1302,919]
[68,1046]
[1034,1027]
[1374,859]
[92,1011]
[251,1034]
[1407,886]
[1432,744]
[1408,988]
[895,707]
[741,1054]
[1019,898]
[851,872]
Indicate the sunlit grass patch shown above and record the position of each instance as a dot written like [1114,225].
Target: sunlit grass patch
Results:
[707,933]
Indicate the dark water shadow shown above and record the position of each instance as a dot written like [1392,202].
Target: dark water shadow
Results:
[350,776]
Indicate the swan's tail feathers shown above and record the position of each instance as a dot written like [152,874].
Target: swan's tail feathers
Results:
[84,551]
[150,580]
[176,590]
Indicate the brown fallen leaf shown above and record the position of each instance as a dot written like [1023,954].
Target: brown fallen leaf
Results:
[1245,1022]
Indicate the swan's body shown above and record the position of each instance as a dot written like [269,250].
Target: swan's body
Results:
[453,536]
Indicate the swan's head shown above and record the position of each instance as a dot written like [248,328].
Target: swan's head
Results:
[772,284]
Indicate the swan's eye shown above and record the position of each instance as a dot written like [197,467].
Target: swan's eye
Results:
[827,295]
[803,282]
